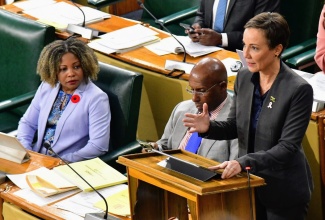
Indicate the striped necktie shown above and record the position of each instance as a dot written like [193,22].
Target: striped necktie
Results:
[220,16]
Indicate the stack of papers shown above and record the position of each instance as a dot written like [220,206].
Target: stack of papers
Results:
[61,14]
[117,198]
[52,184]
[318,84]
[95,171]
[125,39]
[170,45]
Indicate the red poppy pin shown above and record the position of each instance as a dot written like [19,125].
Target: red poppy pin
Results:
[75,98]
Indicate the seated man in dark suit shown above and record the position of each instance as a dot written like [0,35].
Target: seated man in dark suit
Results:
[221,22]
[207,84]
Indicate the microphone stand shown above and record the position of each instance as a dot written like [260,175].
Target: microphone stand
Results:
[82,30]
[172,65]
[89,216]
[248,168]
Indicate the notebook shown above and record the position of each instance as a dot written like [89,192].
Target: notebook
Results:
[11,149]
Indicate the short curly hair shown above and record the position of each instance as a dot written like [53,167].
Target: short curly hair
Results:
[48,65]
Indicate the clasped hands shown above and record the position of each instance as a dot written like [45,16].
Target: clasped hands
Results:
[200,123]
[205,36]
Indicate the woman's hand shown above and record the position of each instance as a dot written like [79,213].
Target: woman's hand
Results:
[231,168]
[198,122]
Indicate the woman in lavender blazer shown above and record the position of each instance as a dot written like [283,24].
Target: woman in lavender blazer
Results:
[69,111]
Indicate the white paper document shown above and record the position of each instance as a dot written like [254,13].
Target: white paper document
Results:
[125,39]
[318,84]
[32,4]
[83,203]
[170,45]
[64,14]
[26,192]
[32,197]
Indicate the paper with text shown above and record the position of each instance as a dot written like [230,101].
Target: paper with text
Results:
[95,171]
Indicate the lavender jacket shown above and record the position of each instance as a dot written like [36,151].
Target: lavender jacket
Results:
[83,130]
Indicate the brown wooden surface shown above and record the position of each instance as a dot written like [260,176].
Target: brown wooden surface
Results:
[125,6]
[36,161]
[212,199]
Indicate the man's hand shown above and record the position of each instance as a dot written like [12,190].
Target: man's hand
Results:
[195,36]
[148,146]
[209,37]
[198,122]
[231,168]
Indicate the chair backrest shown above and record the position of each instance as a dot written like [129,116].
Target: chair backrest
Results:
[302,17]
[123,88]
[21,41]
[162,9]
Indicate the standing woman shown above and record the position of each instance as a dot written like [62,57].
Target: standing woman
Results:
[270,114]
[68,111]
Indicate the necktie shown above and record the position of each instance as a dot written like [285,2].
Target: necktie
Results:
[193,143]
[220,16]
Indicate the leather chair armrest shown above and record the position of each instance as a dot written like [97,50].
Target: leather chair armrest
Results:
[298,49]
[178,16]
[16,101]
[131,148]
[301,59]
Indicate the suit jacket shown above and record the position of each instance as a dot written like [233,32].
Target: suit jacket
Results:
[238,13]
[83,130]
[278,156]
[320,48]
[175,132]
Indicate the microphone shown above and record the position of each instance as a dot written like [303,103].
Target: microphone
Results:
[82,30]
[248,167]
[172,65]
[89,216]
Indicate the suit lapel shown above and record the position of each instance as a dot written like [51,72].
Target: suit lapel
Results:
[230,6]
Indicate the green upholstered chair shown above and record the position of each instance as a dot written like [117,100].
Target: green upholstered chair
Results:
[170,13]
[302,17]
[123,88]
[21,41]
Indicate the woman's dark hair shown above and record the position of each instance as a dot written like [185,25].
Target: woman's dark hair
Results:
[48,65]
[274,26]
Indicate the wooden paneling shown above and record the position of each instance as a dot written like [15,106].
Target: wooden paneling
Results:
[124,7]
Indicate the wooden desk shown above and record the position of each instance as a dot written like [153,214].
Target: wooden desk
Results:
[45,212]
[159,193]
[313,144]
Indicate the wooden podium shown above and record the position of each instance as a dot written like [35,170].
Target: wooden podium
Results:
[157,192]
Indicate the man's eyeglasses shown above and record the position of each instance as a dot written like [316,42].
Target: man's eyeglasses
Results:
[201,93]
